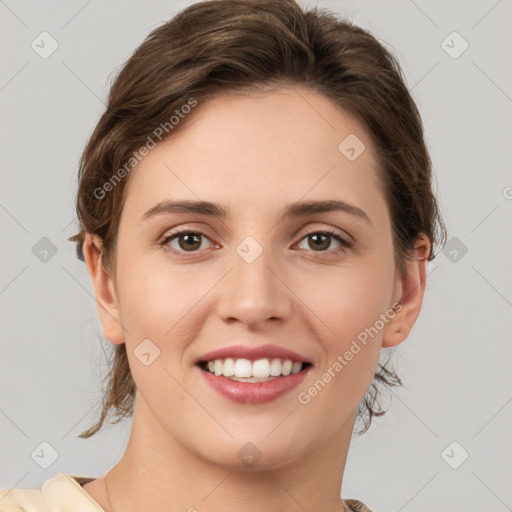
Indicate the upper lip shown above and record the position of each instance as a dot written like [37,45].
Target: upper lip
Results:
[253,353]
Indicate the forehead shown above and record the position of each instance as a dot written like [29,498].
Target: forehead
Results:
[253,151]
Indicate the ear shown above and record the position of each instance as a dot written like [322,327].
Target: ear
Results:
[104,289]
[411,286]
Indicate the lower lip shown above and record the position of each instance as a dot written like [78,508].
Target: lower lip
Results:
[253,392]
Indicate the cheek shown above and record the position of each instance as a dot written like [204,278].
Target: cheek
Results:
[159,303]
[349,304]
[347,300]
[154,293]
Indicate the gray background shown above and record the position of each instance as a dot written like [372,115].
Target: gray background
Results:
[457,361]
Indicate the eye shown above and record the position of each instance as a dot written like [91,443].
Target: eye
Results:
[186,241]
[321,240]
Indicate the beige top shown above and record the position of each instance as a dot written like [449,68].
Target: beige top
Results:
[64,493]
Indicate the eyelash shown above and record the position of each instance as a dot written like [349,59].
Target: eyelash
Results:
[345,244]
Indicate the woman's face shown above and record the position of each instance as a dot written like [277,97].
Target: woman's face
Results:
[255,277]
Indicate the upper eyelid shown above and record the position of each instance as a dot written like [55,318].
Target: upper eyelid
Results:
[177,230]
[318,226]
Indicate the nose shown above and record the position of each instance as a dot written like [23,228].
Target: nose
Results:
[254,292]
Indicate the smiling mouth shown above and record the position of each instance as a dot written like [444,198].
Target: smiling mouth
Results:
[261,370]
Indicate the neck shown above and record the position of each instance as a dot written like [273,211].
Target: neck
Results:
[158,473]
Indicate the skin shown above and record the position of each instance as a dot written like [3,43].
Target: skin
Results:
[254,155]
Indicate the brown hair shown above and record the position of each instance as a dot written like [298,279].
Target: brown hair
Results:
[222,46]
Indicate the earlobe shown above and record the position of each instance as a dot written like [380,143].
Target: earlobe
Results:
[412,285]
[104,290]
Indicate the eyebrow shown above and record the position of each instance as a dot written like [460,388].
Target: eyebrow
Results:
[300,209]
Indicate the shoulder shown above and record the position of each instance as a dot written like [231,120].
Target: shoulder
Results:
[60,492]
[356,506]
[21,500]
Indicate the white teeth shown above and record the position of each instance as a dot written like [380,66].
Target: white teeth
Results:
[243,367]
[296,368]
[253,371]
[261,368]
[286,368]
[228,370]
[275,368]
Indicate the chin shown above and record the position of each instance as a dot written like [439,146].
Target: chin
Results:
[249,456]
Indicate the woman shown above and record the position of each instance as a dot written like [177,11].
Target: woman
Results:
[256,215]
